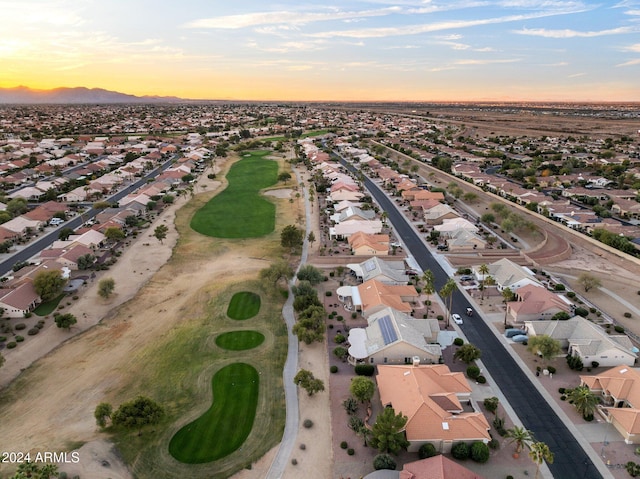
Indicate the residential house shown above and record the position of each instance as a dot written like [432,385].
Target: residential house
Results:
[21,225]
[439,213]
[369,244]
[392,337]
[17,302]
[536,302]
[582,338]
[465,241]
[436,467]
[353,213]
[387,272]
[373,296]
[449,226]
[67,257]
[432,398]
[350,227]
[507,274]
[619,390]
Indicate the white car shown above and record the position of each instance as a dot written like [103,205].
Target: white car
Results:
[456,318]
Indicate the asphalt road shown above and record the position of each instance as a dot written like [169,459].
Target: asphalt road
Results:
[570,461]
[48,238]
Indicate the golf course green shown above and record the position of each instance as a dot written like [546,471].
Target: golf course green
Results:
[239,211]
[240,340]
[243,305]
[226,424]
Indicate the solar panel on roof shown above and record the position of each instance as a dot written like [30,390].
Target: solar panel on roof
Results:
[388,332]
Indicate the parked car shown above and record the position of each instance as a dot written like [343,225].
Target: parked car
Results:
[456,318]
[466,277]
[443,247]
[511,332]
[520,338]
[469,312]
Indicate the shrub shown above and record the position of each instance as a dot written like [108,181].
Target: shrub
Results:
[384,461]
[562,390]
[427,450]
[494,444]
[344,445]
[33,331]
[458,341]
[509,477]
[3,339]
[303,446]
[582,312]
[294,461]
[62,475]
[20,326]
[460,451]
[481,379]
[365,369]
[571,294]
[595,364]
[618,328]
[340,338]
[551,369]
[480,452]
[473,372]
[340,318]
[559,287]
[627,315]
[440,317]
[11,345]
[354,315]
[340,352]
[351,451]
[328,293]
[333,369]
[563,398]
[308,423]
[19,339]
[491,404]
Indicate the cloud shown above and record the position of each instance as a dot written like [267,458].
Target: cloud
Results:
[485,62]
[285,17]
[632,12]
[382,32]
[632,48]
[576,75]
[543,32]
[629,63]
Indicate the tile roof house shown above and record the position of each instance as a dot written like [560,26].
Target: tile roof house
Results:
[507,274]
[18,301]
[374,296]
[436,467]
[392,337]
[439,213]
[536,302]
[369,244]
[619,390]
[587,340]
[350,227]
[387,272]
[449,226]
[431,397]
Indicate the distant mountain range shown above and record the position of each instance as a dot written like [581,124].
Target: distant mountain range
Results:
[79,95]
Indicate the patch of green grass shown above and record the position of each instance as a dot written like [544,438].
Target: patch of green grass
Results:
[240,340]
[243,305]
[47,308]
[227,423]
[239,211]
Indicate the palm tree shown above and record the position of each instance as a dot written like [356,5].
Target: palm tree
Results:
[447,292]
[483,270]
[507,296]
[540,452]
[521,437]
[584,400]
[428,287]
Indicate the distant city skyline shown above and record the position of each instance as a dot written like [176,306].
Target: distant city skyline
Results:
[351,50]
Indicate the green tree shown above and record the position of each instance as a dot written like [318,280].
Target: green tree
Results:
[284,176]
[311,238]
[520,436]
[168,199]
[362,388]
[103,413]
[447,292]
[49,284]
[491,404]
[291,237]
[306,380]
[584,400]
[113,233]
[106,287]
[85,261]
[483,270]
[384,461]
[480,452]
[65,321]
[160,232]
[467,353]
[507,295]
[17,206]
[310,326]
[588,281]
[388,432]
[428,287]
[4,216]
[32,470]
[310,273]
[545,346]
[280,270]
[64,234]
[137,413]
[540,452]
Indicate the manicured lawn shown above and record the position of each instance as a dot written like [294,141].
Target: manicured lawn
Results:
[47,308]
[240,340]
[243,305]
[226,424]
[239,211]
